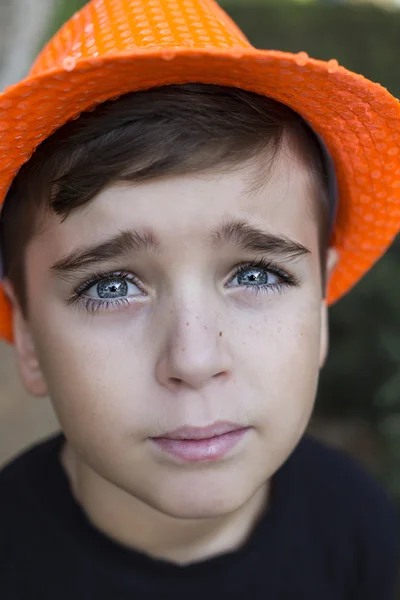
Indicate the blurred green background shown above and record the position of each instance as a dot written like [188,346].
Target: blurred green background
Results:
[358,405]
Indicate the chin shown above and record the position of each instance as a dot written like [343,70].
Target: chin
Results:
[201,502]
[198,510]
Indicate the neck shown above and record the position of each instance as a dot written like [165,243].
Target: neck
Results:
[137,525]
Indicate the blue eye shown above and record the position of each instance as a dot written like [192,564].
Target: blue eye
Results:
[255,276]
[261,276]
[107,291]
[112,287]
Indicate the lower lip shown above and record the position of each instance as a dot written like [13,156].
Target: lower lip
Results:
[209,449]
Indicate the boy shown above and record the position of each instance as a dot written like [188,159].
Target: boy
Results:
[168,261]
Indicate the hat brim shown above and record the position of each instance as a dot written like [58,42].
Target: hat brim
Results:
[358,120]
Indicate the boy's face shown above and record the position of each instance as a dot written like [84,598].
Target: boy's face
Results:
[188,341]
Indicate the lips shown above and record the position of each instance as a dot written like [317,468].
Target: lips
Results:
[196,444]
[202,433]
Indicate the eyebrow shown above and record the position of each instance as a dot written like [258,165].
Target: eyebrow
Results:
[239,233]
[122,244]
[250,238]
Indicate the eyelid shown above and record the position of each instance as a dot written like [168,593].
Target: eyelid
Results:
[99,276]
[268,265]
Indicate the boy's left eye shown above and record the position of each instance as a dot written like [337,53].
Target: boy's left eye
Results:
[255,276]
[260,276]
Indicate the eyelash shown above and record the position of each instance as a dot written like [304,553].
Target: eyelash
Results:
[94,305]
[288,280]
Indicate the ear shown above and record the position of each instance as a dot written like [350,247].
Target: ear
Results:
[24,347]
[332,259]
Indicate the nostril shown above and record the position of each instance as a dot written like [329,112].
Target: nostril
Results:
[220,375]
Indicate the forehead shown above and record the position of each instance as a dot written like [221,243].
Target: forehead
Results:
[278,197]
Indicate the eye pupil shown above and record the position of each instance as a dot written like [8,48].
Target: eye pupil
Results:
[112,288]
[257,276]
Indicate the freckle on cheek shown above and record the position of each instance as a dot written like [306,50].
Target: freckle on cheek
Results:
[220,334]
[187,324]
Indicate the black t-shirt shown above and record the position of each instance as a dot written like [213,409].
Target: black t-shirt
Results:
[330,533]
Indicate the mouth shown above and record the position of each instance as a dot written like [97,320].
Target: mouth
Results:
[201,444]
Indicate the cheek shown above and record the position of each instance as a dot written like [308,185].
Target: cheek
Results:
[282,343]
[95,384]
[284,366]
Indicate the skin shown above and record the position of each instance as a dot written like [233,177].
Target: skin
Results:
[196,346]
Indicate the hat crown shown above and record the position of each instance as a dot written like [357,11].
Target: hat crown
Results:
[109,27]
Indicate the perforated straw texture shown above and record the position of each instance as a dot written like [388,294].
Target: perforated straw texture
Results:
[112,47]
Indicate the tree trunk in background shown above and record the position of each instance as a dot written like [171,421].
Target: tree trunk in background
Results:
[23,26]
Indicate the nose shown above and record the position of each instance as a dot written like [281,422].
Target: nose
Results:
[195,351]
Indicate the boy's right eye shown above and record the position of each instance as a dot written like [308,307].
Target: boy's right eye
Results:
[107,291]
[113,287]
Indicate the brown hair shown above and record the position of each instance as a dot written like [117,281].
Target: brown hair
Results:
[172,130]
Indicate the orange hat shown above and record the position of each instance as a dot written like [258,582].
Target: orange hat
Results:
[112,47]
